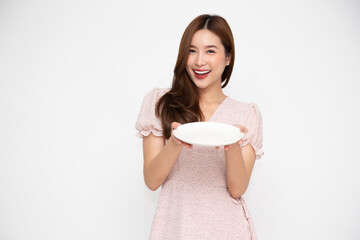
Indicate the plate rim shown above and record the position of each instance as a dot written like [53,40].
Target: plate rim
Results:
[241,134]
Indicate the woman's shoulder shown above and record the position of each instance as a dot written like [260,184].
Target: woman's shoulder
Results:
[147,120]
[151,98]
[156,93]
[247,106]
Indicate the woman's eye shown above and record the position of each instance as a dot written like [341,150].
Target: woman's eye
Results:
[191,50]
[211,51]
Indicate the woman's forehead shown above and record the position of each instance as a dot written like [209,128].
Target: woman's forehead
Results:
[205,38]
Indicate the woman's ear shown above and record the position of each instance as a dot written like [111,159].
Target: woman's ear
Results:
[228,60]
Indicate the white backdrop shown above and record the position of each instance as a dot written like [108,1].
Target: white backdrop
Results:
[72,78]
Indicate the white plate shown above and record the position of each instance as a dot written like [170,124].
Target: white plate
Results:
[208,133]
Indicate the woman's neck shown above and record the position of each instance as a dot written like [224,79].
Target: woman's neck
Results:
[215,96]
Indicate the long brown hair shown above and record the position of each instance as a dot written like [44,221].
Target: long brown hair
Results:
[181,103]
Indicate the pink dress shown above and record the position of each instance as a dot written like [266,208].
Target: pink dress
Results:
[194,202]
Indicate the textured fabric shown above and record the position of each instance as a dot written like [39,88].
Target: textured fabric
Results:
[147,121]
[194,202]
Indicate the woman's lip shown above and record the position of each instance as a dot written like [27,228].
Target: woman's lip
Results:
[201,76]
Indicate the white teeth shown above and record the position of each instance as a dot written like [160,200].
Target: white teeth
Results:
[201,72]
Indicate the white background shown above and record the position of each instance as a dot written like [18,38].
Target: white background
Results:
[72,78]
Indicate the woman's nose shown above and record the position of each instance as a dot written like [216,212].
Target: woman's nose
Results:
[200,59]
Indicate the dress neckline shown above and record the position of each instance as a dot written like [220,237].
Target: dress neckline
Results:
[217,109]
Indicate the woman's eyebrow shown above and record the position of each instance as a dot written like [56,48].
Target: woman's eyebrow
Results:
[211,46]
[207,46]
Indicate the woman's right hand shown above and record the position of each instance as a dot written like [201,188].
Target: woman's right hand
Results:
[174,125]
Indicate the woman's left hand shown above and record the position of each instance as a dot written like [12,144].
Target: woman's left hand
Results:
[243,130]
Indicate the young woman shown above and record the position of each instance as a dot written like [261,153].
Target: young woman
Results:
[201,186]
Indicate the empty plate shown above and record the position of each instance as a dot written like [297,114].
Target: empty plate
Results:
[208,133]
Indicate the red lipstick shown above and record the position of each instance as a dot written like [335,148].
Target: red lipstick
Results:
[201,74]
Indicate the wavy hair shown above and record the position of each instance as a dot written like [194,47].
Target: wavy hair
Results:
[181,103]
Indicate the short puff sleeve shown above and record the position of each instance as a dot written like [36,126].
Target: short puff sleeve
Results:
[254,136]
[147,122]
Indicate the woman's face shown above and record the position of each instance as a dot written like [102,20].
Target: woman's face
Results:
[207,59]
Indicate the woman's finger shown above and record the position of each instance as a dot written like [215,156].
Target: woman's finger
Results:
[174,125]
[188,146]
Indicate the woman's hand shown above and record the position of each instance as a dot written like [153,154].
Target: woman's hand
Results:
[174,125]
[243,130]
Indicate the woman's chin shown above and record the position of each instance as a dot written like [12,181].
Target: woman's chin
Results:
[201,85]
[204,83]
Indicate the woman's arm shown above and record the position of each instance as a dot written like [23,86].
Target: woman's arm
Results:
[159,158]
[239,165]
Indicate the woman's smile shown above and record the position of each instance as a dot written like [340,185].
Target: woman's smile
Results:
[201,74]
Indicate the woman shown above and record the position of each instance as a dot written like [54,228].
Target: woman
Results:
[201,186]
